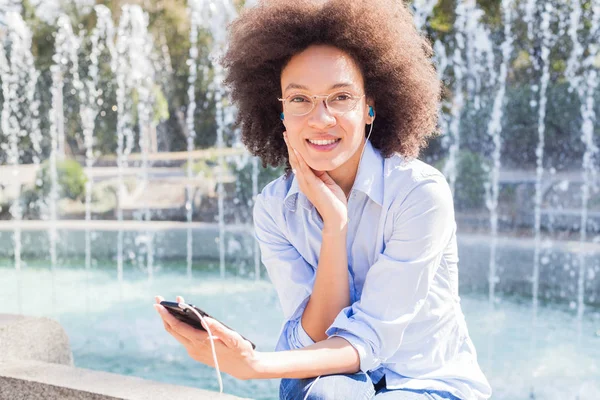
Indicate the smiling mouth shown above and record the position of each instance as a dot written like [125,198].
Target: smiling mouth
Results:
[323,142]
[323,145]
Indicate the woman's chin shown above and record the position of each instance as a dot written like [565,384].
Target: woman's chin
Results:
[322,165]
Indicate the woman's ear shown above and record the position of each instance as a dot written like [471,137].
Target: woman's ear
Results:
[370,113]
[370,110]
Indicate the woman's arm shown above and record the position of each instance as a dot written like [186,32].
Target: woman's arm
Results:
[331,292]
[237,358]
[332,356]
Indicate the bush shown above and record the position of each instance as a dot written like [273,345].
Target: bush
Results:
[205,167]
[469,190]
[71,180]
[244,185]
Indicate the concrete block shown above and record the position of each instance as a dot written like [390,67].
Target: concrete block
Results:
[31,338]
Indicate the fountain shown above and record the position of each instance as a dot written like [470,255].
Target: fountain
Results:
[530,282]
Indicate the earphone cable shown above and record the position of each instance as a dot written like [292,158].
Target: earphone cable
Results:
[212,344]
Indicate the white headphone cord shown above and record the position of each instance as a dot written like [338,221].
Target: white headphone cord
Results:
[311,386]
[368,136]
[212,344]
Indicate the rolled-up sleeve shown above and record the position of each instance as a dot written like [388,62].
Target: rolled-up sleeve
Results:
[289,272]
[397,284]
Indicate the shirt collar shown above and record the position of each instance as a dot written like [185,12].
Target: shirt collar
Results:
[369,180]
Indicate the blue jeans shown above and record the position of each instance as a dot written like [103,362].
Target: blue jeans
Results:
[352,387]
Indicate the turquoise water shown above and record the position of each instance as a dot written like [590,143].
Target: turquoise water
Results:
[113,327]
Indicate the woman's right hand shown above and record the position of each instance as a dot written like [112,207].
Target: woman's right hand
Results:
[322,191]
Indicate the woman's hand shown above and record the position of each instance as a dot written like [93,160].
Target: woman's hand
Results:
[322,191]
[234,354]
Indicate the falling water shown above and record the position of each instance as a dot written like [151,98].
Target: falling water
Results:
[441,63]
[495,131]
[254,195]
[140,49]
[122,66]
[458,99]
[218,16]
[422,11]
[195,21]
[66,47]
[65,63]
[477,45]
[90,101]
[586,93]
[546,44]
[19,116]
[539,152]
[11,150]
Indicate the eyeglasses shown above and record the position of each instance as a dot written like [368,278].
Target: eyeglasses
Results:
[301,104]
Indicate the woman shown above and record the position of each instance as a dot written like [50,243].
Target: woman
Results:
[358,236]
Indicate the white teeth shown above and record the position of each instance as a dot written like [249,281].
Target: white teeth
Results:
[322,142]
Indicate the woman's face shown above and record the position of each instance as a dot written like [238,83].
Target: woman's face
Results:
[324,70]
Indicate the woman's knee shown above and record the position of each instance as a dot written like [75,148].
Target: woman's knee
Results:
[351,387]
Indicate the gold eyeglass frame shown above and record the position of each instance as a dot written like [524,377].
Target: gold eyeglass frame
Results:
[314,97]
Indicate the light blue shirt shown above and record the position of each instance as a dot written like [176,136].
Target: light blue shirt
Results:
[405,320]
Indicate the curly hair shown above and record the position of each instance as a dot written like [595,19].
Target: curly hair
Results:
[380,35]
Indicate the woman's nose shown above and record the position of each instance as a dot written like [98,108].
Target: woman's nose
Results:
[321,117]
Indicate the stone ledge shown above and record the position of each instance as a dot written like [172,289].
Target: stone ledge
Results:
[38,380]
[31,338]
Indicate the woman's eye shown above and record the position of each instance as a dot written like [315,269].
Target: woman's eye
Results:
[298,99]
[342,97]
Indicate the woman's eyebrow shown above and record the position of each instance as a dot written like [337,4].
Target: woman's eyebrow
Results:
[335,86]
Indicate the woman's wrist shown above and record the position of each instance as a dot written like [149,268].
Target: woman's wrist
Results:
[264,367]
[335,226]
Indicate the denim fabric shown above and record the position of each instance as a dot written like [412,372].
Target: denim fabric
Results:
[351,387]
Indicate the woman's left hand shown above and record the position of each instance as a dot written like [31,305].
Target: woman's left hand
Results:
[234,354]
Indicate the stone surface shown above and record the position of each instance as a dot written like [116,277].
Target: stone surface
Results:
[39,380]
[30,338]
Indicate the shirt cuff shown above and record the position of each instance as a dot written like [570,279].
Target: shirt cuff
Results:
[367,361]
[298,337]
[350,329]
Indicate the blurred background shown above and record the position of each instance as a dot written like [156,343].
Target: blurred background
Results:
[122,176]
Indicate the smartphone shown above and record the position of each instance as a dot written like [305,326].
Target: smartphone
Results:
[187,316]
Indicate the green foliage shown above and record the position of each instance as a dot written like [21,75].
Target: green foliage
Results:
[469,189]
[169,26]
[161,105]
[205,168]
[71,180]
[244,180]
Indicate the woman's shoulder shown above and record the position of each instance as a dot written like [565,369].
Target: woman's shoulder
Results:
[404,177]
[398,167]
[278,189]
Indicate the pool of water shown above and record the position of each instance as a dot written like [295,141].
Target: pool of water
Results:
[113,327]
